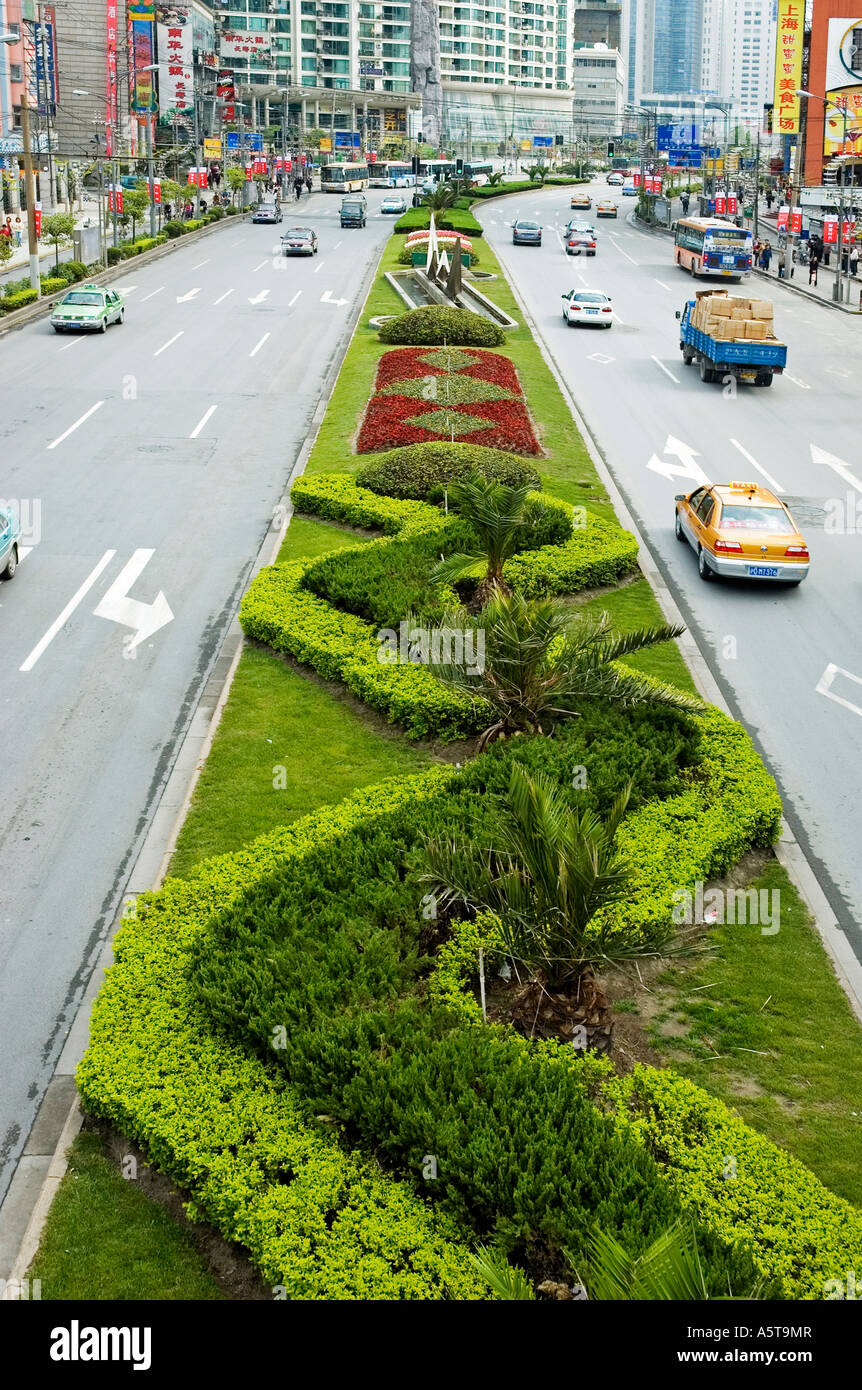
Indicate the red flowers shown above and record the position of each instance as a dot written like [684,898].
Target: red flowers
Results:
[393,420]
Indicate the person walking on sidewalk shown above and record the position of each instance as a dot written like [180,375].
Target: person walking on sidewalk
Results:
[854,260]
[813,263]
[685,201]
[766,256]
[782,263]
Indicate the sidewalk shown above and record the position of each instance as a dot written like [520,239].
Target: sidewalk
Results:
[798,280]
[17,265]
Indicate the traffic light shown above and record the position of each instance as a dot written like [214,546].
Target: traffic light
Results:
[558,139]
[414,165]
[459,167]
[610,149]
[420,139]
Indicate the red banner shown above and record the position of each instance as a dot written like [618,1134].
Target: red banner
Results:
[37,213]
[636,180]
[732,204]
[796,221]
[157,190]
[783,214]
[656,184]
[720,203]
[830,230]
[248,173]
[848,232]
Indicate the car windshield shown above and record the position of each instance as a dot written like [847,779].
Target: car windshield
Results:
[298,233]
[528,226]
[774,519]
[589,298]
[83,297]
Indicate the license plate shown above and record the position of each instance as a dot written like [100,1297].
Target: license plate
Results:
[763,571]
[748,376]
[592,311]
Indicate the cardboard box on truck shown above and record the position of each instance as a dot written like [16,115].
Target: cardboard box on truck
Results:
[761,309]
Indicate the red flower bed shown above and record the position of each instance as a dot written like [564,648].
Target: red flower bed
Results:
[405,364]
[390,420]
[389,424]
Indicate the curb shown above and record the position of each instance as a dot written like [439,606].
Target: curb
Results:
[789,853]
[43,1160]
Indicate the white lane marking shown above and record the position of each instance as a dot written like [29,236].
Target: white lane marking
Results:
[616,316]
[615,239]
[664,368]
[583,280]
[753,461]
[258,298]
[166,345]
[259,345]
[221,297]
[200,424]
[824,686]
[192,294]
[23,552]
[258,267]
[118,607]
[201,263]
[836,371]
[819,455]
[662,285]
[152,295]
[795,379]
[600,357]
[72,428]
[125,289]
[326,298]
[74,343]
[336,246]
[236,243]
[295,298]
[67,611]
[319,266]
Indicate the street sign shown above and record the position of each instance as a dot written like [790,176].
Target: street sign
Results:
[347,140]
[543,140]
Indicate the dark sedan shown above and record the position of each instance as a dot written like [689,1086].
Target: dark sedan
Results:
[526,233]
[299,241]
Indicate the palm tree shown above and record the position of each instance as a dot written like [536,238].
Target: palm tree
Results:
[443,197]
[539,661]
[496,513]
[549,871]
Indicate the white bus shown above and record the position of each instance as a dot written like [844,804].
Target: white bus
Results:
[343,178]
[391,173]
[713,247]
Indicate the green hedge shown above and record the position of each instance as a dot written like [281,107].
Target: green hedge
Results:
[452,219]
[9,302]
[435,324]
[73,270]
[598,553]
[337,497]
[53,284]
[324,1223]
[421,471]
[174,228]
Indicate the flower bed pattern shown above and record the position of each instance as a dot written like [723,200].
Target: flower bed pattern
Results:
[444,393]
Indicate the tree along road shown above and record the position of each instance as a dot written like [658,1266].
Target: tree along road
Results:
[146,465]
[789,660]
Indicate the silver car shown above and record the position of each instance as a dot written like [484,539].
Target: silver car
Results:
[10,531]
[267,212]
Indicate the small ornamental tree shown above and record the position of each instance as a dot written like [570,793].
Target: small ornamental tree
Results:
[58,229]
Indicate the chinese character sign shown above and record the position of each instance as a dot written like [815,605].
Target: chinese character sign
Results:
[242,43]
[796,221]
[848,232]
[720,203]
[783,214]
[174,32]
[110,75]
[732,205]
[830,231]
[790,33]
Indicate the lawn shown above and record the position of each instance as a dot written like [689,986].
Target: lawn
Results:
[105,1240]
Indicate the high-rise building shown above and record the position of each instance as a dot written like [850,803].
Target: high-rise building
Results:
[678,31]
[739,55]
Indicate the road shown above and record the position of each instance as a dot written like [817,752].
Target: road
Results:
[789,661]
[146,461]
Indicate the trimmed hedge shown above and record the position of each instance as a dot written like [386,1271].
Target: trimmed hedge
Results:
[452,219]
[421,471]
[9,302]
[433,325]
[598,553]
[52,284]
[73,270]
[324,1223]
[337,497]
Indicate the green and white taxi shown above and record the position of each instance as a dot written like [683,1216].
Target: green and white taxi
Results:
[91,307]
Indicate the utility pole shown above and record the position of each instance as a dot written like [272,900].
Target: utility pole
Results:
[468,148]
[30,189]
[151,180]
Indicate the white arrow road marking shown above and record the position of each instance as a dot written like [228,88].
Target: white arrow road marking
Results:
[200,424]
[687,466]
[67,611]
[184,298]
[319,266]
[326,298]
[824,686]
[259,298]
[117,607]
[600,357]
[166,345]
[664,368]
[72,428]
[257,347]
[222,296]
[152,295]
[295,298]
[753,461]
[819,455]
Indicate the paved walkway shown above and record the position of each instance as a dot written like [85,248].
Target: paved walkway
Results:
[797,275]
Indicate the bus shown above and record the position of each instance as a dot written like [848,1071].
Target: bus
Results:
[621,163]
[343,178]
[711,246]
[391,173]
[478,173]
[437,169]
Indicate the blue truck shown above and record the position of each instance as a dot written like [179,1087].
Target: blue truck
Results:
[756,361]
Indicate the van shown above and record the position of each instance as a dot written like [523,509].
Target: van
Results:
[353,210]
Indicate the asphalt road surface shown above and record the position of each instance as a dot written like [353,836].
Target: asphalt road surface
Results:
[146,464]
[789,660]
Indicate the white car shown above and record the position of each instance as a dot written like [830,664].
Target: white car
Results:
[587,307]
[616,179]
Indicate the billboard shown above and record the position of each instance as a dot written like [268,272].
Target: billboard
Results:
[347,140]
[243,44]
[43,86]
[110,75]
[142,27]
[789,39]
[843,85]
[176,83]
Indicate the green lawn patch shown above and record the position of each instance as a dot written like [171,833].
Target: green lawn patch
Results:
[105,1240]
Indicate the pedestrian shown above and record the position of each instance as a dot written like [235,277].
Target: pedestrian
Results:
[827,251]
[766,256]
[6,229]
[209,178]
[854,260]
[782,263]
[169,212]
[188,210]
[813,263]
[769,200]
[685,201]
[17,230]
[203,204]
[297,187]
[308,184]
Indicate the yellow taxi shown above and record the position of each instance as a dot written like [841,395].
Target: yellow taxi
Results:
[741,531]
[581,200]
[606,207]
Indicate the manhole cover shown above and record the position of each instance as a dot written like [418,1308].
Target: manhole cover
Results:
[154,448]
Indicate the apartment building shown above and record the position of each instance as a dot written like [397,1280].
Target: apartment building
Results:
[739,55]
[598,90]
